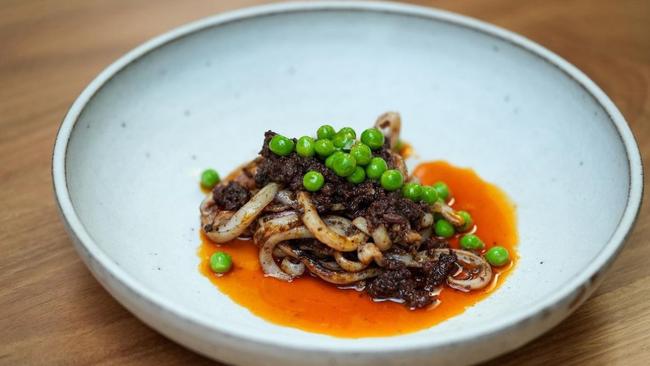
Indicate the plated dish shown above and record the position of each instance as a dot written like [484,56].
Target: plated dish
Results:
[345,210]
[136,140]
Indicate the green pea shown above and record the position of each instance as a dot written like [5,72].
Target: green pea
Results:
[497,256]
[373,138]
[326,132]
[376,168]
[442,189]
[429,195]
[348,131]
[323,147]
[467,220]
[344,165]
[209,178]
[444,228]
[471,242]
[392,180]
[330,159]
[281,145]
[362,153]
[313,181]
[358,176]
[220,262]
[343,140]
[305,147]
[412,191]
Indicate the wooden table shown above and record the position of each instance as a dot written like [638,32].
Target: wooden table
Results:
[53,311]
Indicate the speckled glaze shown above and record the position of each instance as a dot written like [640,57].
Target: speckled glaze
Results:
[129,152]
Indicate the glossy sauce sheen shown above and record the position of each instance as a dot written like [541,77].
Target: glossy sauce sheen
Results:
[313,305]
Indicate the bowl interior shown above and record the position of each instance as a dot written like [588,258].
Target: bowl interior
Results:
[472,99]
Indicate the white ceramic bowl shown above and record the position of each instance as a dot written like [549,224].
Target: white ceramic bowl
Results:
[128,155]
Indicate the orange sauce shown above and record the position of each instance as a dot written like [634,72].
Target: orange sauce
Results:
[313,305]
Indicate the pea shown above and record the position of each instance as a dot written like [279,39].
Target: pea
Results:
[305,147]
[281,145]
[442,189]
[444,228]
[348,131]
[344,165]
[330,159]
[209,178]
[325,132]
[391,180]
[412,191]
[497,256]
[467,220]
[358,176]
[323,148]
[313,181]
[376,168]
[220,262]
[429,195]
[361,153]
[373,138]
[471,242]
[343,140]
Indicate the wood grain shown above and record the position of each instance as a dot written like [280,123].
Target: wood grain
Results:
[52,310]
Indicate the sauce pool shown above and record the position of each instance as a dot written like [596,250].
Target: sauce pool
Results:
[313,305]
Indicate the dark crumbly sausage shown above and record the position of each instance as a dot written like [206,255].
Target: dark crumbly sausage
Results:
[231,196]
[289,170]
[413,285]
[435,243]
[391,208]
[435,273]
[399,284]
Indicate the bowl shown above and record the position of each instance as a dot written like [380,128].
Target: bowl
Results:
[129,152]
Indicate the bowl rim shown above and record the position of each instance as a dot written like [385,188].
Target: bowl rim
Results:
[93,255]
